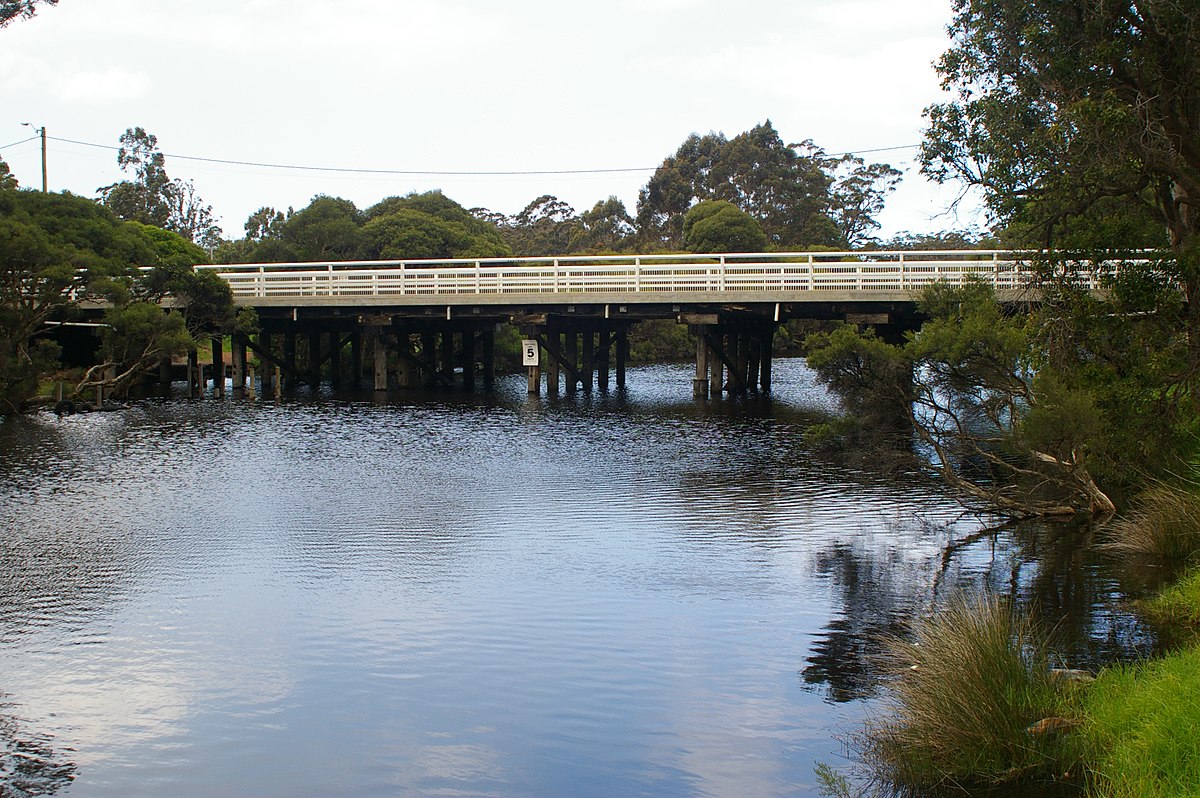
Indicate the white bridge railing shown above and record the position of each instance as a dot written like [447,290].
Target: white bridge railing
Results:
[640,274]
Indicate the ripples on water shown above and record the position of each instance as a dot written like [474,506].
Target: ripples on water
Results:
[625,595]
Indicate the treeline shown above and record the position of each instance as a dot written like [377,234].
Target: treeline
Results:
[749,193]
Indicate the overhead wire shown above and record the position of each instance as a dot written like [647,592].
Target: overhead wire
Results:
[415,172]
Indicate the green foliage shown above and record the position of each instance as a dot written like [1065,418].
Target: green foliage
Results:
[12,9]
[872,378]
[967,689]
[720,226]
[427,225]
[659,341]
[1176,610]
[152,197]
[1073,118]
[412,227]
[1004,422]
[801,197]
[1163,527]
[8,180]
[1142,730]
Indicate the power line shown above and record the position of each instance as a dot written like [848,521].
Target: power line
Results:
[374,171]
[22,141]
[425,173]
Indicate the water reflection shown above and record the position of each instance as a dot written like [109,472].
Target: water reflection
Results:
[595,595]
[29,763]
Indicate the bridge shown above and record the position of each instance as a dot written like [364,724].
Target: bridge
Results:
[425,321]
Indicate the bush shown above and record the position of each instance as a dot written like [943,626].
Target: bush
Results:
[967,691]
[1164,526]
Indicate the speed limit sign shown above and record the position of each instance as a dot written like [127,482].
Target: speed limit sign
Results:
[529,352]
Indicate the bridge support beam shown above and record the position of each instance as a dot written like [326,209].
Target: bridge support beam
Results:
[622,355]
[238,356]
[379,358]
[218,366]
[265,367]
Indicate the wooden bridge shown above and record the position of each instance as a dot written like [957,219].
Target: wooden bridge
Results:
[424,321]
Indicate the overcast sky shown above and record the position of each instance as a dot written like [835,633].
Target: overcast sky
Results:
[463,86]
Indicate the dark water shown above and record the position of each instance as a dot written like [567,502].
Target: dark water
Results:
[636,595]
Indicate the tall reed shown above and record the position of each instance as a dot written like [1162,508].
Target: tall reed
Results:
[1164,526]
[967,690]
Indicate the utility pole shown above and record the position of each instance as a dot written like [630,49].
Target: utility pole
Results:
[41,131]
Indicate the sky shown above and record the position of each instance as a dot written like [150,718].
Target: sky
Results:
[459,86]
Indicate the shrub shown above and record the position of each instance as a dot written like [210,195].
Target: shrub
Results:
[967,691]
[1164,526]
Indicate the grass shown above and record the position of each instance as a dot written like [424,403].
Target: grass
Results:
[967,690]
[1142,729]
[1163,527]
[1176,610]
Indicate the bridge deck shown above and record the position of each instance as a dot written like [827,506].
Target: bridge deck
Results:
[794,277]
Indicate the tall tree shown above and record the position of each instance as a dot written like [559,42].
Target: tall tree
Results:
[720,226]
[152,197]
[7,178]
[11,9]
[800,196]
[1064,107]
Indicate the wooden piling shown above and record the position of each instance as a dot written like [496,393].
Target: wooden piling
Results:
[622,355]
[218,366]
[379,353]
[314,358]
[238,356]
[335,359]
[700,381]
[289,360]
[268,370]
[553,367]
[571,356]
[468,359]
[356,358]
[193,372]
[488,336]
[767,353]
[587,370]
[603,351]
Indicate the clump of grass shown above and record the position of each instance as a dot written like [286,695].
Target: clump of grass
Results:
[967,691]
[1143,728]
[1176,610]
[1164,526]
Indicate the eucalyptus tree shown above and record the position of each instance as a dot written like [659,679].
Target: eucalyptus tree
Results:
[153,197]
[801,196]
[12,9]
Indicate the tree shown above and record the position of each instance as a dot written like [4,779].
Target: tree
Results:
[607,227]
[801,197]
[7,179]
[1002,426]
[1069,109]
[152,197]
[720,226]
[56,250]
[858,195]
[429,225]
[11,9]
[546,226]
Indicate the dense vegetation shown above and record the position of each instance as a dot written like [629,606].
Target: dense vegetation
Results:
[1080,124]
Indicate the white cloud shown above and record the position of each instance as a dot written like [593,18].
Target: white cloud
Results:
[99,88]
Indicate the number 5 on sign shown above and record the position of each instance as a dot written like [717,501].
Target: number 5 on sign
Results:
[529,352]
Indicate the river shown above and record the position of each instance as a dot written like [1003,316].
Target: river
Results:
[627,595]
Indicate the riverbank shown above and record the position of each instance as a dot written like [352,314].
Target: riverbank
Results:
[977,704]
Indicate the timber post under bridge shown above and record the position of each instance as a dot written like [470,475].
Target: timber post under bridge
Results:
[430,323]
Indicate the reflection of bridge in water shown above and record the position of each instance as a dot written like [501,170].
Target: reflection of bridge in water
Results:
[431,323]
